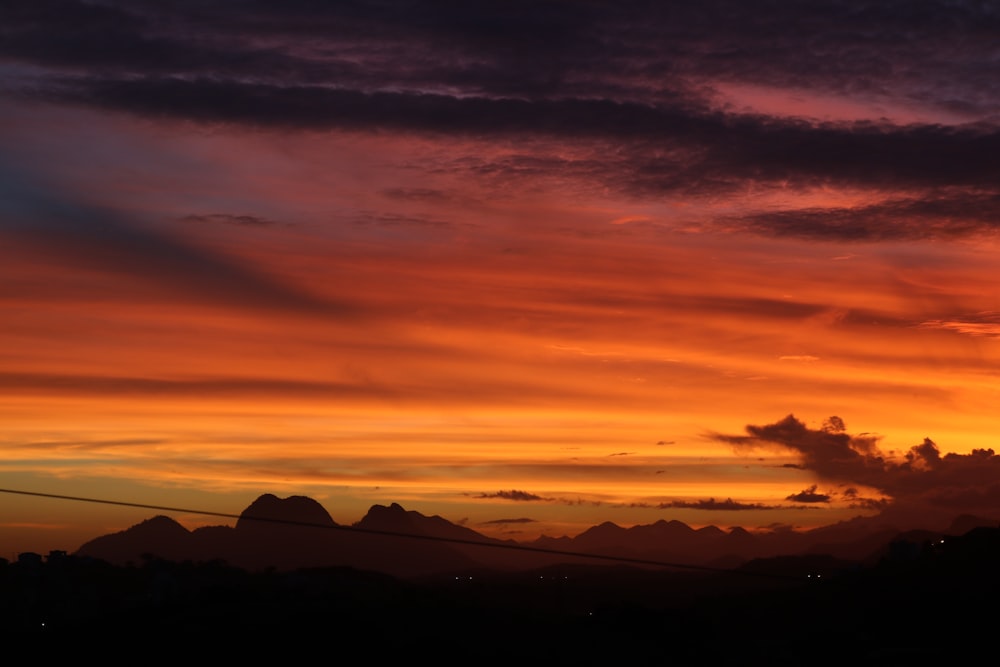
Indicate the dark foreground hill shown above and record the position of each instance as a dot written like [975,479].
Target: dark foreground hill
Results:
[920,603]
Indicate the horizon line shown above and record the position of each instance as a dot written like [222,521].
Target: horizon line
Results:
[491,543]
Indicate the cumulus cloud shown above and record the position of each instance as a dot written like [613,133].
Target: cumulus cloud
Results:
[922,475]
[809,496]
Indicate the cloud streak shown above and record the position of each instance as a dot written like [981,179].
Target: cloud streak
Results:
[711,504]
[514,494]
[282,249]
[643,93]
[504,522]
[41,219]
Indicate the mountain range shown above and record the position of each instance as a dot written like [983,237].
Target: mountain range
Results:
[297,532]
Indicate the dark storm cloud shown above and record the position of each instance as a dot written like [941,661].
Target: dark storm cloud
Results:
[968,482]
[660,149]
[291,105]
[478,47]
[938,51]
[755,149]
[137,38]
[514,494]
[638,87]
[948,215]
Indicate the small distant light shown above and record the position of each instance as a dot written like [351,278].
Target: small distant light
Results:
[941,542]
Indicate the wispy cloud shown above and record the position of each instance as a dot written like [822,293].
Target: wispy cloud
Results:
[985,324]
[514,494]
[712,504]
[63,227]
[229,219]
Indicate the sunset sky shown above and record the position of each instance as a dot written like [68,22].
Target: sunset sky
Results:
[530,266]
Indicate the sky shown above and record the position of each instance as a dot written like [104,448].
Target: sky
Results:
[529,266]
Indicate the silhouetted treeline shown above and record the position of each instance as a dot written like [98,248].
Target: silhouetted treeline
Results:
[922,600]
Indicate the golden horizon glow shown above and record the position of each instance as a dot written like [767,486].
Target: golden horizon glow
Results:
[466,306]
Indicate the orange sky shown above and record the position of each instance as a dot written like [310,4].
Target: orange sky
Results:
[529,331]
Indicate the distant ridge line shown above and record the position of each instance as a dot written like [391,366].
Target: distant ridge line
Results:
[389,533]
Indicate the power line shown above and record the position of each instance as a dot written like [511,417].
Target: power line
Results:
[389,533]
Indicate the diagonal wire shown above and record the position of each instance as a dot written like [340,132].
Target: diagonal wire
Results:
[417,536]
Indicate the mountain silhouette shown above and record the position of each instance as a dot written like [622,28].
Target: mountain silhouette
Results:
[395,519]
[293,510]
[297,532]
[160,536]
